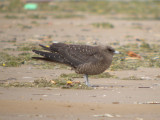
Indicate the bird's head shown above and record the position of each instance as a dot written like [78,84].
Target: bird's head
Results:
[110,50]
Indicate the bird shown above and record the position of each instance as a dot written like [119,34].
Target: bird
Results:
[84,59]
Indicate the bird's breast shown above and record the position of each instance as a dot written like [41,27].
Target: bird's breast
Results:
[91,69]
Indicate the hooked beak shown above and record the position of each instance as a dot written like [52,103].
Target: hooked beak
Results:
[117,52]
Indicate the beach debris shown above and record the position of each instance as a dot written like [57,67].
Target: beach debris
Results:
[115,102]
[69,82]
[155,58]
[139,118]
[53,82]
[132,54]
[145,78]
[76,82]
[104,95]
[30,6]
[149,102]
[3,64]
[144,87]
[44,95]
[107,115]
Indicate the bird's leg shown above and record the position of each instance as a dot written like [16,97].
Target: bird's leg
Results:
[86,80]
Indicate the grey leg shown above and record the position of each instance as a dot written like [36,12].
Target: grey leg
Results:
[86,80]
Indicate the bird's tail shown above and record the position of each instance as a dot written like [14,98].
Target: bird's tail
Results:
[54,47]
[42,58]
[47,56]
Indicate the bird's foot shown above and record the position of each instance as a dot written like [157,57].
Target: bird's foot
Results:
[87,84]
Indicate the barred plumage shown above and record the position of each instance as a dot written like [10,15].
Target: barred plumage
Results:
[84,59]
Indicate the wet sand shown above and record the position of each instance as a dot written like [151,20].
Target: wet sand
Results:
[60,111]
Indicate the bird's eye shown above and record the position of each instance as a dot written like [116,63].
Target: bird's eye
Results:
[110,49]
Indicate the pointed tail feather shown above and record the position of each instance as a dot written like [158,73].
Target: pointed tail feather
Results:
[54,57]
[44,54]
[42,58]
[54,47]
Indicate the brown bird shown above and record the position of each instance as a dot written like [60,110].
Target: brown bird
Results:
[84,59]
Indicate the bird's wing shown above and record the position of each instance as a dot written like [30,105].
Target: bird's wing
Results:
[79,54]
[72,55]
